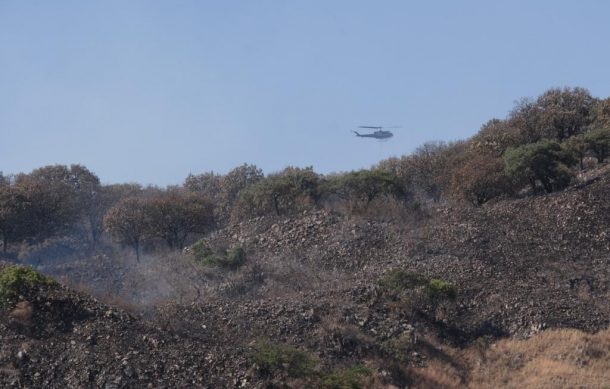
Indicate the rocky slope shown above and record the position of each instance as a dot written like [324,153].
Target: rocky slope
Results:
[320,282]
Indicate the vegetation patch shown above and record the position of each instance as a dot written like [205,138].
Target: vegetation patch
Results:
[16,280]
[351,378]
[399,280]
[440,289]
[231,259]
[271,357]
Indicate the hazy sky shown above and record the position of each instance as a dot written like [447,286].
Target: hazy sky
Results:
[149,91]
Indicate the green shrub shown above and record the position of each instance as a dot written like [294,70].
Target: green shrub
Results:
[399,280]
[271,357]
[544,162]
[232,259]
[360,188]
[201,249]
[598,142]
[440,289]
[16,280]
[351,378]
[235,258]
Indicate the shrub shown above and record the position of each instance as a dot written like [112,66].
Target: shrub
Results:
[351,378]
[543,162]
[598,142]
[201,249]
[270,357]
[439,289]
[16,280]
[479,178]
[232,259]
[360,188]
[399,280]
[289,191]
[399,347]
[235,258]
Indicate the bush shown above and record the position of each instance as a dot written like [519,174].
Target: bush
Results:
[351,378]
[543,162]
[16,280]
[270,357]
[399,280]
[235,258]
[232,259]
[479,178]
[439,289]
[598,142]
[201,249]
[360,188]
[289,191]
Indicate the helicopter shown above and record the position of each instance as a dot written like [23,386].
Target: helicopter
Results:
[378,134]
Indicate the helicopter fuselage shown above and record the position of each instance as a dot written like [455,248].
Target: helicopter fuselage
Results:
[377,135]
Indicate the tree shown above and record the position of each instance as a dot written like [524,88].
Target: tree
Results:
[239,179]
[175,215]
[577,147]
[208,184]
[363,186]
[601,114]
[556,114]
[10,215]
[598,142]
[543,162]
[79,190]
[128,222]
[291,190]
[479,178]
[495,136]
[425,172]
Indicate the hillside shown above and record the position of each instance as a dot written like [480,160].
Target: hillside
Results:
[344,292]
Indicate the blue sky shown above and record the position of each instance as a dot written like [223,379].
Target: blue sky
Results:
[149,91]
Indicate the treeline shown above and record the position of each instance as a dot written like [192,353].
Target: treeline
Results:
[59,201]
[539,147]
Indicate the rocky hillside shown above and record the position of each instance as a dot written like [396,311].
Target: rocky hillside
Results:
[324,300]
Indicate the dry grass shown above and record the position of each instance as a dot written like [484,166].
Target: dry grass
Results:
[565,358]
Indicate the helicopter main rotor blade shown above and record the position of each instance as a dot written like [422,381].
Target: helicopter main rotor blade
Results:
[374,127]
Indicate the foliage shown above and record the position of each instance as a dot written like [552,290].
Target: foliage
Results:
[128,222]
[598,142]
[232,259]
[361,187]
[479,178]
[426,172]
[351,378]
[174,215]
[399,280]
[439,289]
[201,249]
[399,347]
[543,162]
[577,147]
[557,114]
[16,280]
[289,191]
[208,184]
[495,136]
[601,114]
[270,357]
